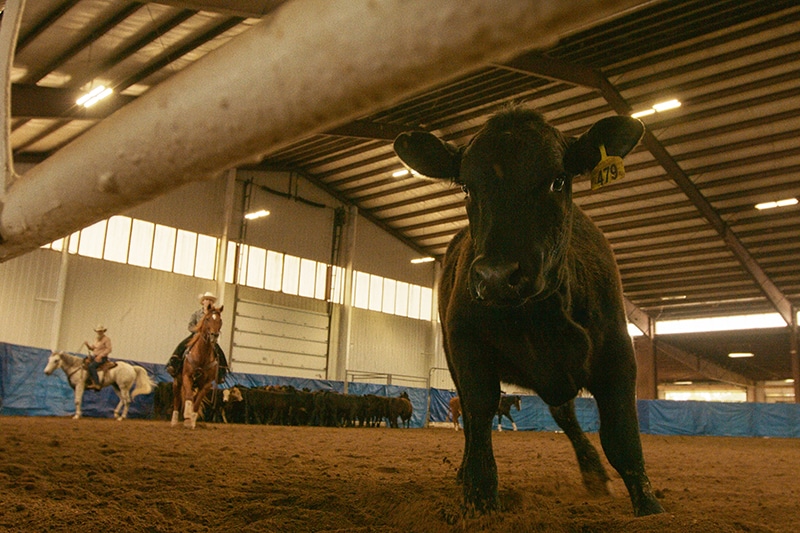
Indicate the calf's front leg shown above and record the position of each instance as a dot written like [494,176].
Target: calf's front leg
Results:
[478,472]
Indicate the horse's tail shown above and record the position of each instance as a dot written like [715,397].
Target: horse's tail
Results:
[144,383]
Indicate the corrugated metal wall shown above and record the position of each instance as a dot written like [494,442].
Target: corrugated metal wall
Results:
[146,311]
[27,296]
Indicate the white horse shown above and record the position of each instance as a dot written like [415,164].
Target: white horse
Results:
[122,377]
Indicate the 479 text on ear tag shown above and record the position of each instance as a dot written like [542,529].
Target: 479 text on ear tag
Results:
[608,170]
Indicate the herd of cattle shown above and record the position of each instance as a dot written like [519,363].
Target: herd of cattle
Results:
[285,405]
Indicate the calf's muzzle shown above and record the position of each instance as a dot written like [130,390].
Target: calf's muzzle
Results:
[499,282]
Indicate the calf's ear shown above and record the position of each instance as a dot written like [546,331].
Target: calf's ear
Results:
[428,155]
[618,134]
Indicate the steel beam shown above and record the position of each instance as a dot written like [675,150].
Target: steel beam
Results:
[704,367]
[308,67]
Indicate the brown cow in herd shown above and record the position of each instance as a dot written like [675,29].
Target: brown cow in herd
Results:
[530,293]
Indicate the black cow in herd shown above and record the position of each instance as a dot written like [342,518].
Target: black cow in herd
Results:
[530,293]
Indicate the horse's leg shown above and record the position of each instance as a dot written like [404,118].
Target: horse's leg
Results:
[80,387]
[198,401]
[513,424]
[186,394]
[176,402]
[124,393]
[500,422]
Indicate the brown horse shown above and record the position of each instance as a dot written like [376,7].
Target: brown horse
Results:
[455,410]
[200,368]
[504,410]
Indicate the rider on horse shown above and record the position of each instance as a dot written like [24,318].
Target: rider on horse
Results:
[175,363]
[101,348]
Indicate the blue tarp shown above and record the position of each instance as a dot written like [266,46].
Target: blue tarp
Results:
[26,391]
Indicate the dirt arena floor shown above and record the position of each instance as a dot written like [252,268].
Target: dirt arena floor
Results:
[89,475]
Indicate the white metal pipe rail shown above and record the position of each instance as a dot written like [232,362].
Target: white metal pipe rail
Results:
[309,66]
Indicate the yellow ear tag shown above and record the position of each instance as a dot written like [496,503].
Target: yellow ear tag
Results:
[608,170]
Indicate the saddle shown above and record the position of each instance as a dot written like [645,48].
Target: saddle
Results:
[107,365]
[104,366]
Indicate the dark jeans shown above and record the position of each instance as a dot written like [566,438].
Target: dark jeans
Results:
[93,370]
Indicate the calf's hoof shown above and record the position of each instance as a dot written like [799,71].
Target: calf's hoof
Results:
[648,506]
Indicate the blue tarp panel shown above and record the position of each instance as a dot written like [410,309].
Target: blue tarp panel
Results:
[720,419]
[533,414]
[26,391]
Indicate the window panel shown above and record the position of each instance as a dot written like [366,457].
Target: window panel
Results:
[291,274]
[426,303]
[141,248]
[413,301]
[163,247]
[308,277]
[274,271]
[401,300]
[92,239]
[74,240]
[375,292]
[230,262]
[322,281]
[185,246]
[389,294]
[206,257]
[361,290]
[118,236]
[256,266]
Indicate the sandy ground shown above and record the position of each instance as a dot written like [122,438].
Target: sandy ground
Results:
[89,475]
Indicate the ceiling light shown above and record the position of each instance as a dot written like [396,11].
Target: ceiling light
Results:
[740,355]
[419,260]
[657,108]
[644,113]
[682,383]
[94,96]
[664,106]
[400,173]
[790,380]
[779,203]
[257,214]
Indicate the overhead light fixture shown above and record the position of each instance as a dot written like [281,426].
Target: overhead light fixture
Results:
[682,383]
[666,106]
[420,260]
[740,355]
[94,96]
[657,108]
[779,203]
[261,213]
[400,173]
[790,380]
[644,113]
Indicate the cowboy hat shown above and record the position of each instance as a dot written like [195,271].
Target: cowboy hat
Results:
[100,327]
[207,296]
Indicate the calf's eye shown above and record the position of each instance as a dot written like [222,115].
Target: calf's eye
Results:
[465,190]
[558,183]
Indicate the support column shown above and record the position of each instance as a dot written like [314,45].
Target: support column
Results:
[793,343]
[222,259]
[61,291]
[9,31]
[338,368]
[646,368]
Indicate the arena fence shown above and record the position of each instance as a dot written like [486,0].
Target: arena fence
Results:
[26,391]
